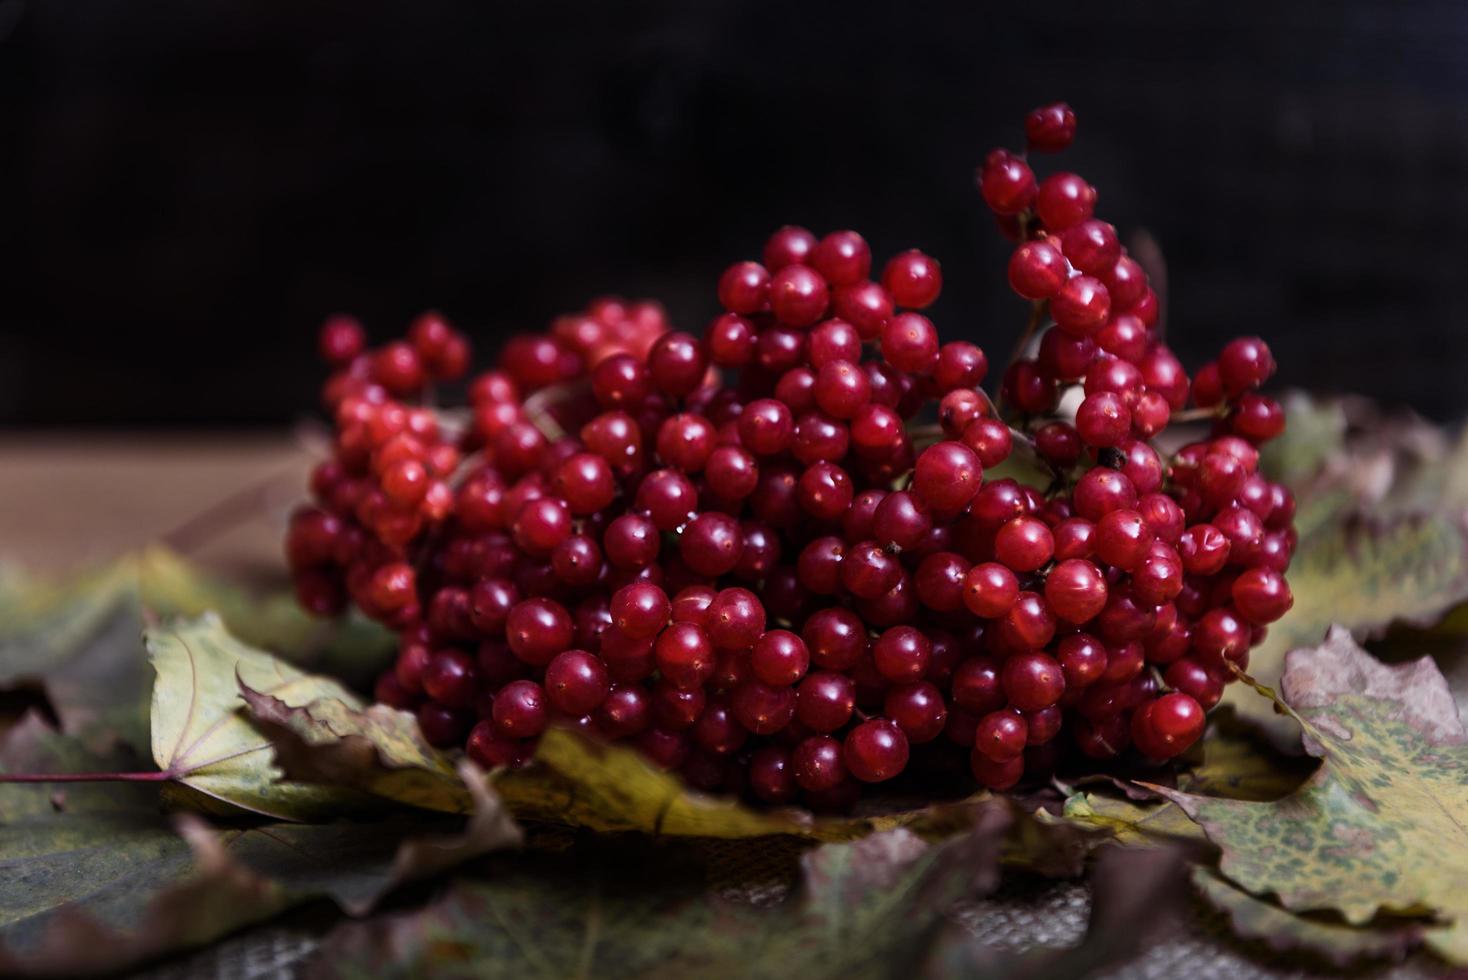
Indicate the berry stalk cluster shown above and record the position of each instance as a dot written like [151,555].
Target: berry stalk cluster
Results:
[746,556]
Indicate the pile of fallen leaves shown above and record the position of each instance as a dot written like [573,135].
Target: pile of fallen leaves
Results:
[1323,816]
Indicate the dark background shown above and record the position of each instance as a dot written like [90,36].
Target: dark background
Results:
[190,185]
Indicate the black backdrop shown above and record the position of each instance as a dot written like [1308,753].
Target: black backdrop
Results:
[189,185]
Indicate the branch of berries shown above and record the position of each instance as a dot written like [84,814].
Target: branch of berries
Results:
[730,552]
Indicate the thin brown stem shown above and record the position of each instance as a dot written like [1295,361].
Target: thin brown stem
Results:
[1037,317]
[1196,415]
[537,407]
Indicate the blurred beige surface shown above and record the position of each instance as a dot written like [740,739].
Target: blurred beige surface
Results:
[72,498]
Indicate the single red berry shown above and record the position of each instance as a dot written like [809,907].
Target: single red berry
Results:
[1063,200]
[780,658]
[576,683]
[788,245]
[520,710]
[836,638]
[866,306]
[990,590]
[910,343]
[901,655]
[1245,363]
[1050,128]
[538,629]
[946,476]
[1082,306]
[1262,595]
[1092,247]
[744,288]
[817,763]
[1076,590]
[912,279]
[1001,735]
[1007,183]
[799,295]
[1037,270]
[843,257]
[875,751]
[1103,419]
[1024,544]
[684,656]
[1033,681]
[342,340]
[1082,660]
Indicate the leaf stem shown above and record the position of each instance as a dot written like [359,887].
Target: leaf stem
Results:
[86,777]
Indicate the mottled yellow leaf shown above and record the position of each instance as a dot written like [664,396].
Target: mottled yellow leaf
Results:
[201,732]
[1380,827]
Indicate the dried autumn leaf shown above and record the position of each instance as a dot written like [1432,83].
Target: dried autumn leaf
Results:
[635,908]
[202,736]
[76,637]
[1252,917]
[1364,575]
[1383,525]
[1229,762]
[1314,437]
[1137,823]
[377,749]
[97,879]
[1376,829]
[1347,455]
[77,640]
[575,780]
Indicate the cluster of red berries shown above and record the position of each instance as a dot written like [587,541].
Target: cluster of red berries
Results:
[745,555]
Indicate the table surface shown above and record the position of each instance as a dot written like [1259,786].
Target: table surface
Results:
[68,499]
[73,498]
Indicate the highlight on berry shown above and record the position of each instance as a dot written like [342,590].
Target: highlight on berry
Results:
[806,552]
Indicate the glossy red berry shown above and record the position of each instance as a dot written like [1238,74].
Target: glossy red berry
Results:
[875,751]
[576,682]
[910,343]
[1024,544]
[1001,735]
[1037,270]
[912,279]
[799,295]
[946,476]
[744,288]
[1076,590]
[520,710]
[1064,200]
[1082,306]
[817,763]
[1261,595]
[789,245]
[843,257]
[779,658]
[1033,681]
[1007,183]
[1050,128]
